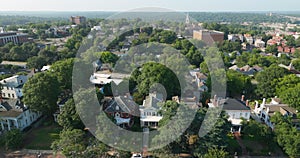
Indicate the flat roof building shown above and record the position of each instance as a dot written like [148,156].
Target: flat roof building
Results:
[209,36]
[78,20]
[13,37]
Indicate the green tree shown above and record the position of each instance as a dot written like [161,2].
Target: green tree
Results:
[237,83]
[41,93]
[36,62]
[69,118]
[296,64]
[271,49]
[13,139]
[71,143]
[291,96]
[152,73]
[63,70]
[286,82]
[268,79]
[108,57]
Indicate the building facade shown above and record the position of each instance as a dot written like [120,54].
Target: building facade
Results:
[78,20]
[13,113]
[265,111]
[235,109]
[12,86]
[150,110]
[209,36]
[13,37]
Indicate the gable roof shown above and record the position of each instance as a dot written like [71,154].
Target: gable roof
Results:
[14,81]
[122,105]
[233,104]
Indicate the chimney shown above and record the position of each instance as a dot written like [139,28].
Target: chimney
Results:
[247,103]
[256,104]
[243,98]
[264,101]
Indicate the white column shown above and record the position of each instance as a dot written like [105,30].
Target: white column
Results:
[240,128]
[17,124]
[8,124]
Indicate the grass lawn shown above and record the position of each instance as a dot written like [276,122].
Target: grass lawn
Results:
[259,147]
[41,138]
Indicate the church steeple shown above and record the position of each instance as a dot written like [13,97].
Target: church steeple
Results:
[187,20]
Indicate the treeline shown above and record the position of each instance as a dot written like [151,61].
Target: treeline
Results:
[21,20]
[236,17]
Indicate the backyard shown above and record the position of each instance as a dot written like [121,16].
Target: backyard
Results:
[42,137]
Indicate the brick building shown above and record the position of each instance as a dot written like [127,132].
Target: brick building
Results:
[77,19]
[209,36]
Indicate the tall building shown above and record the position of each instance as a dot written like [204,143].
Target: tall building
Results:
[78,19]
[13,37]
[209,36]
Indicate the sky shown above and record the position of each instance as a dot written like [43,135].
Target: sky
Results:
[124,5]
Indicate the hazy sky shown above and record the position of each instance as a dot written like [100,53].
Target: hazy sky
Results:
[121,5]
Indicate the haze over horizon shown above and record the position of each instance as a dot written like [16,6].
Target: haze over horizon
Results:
[121,5]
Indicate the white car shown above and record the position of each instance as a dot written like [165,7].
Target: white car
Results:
[136,156]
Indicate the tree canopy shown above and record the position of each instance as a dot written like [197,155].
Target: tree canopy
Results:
[41,93]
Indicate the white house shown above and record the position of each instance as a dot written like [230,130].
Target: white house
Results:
[12,86]
[200,80]
[149,110]
[265,111]
[236,110]
[259,43]
[15,115]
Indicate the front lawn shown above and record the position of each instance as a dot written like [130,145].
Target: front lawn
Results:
[42,137]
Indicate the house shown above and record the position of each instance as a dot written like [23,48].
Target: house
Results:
[122,109]
[235,37]
[12,86]
[259,43]
[15,115]
[265,111]
[246,70]
[249,39]
[150,110]
[200,79]
[237,110]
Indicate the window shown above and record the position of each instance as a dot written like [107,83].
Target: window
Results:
[153,113]
[12,88]
[7,88]
[246,114]
[3,94]
[13,95]
[233,115]
[241,114]
[8,95]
